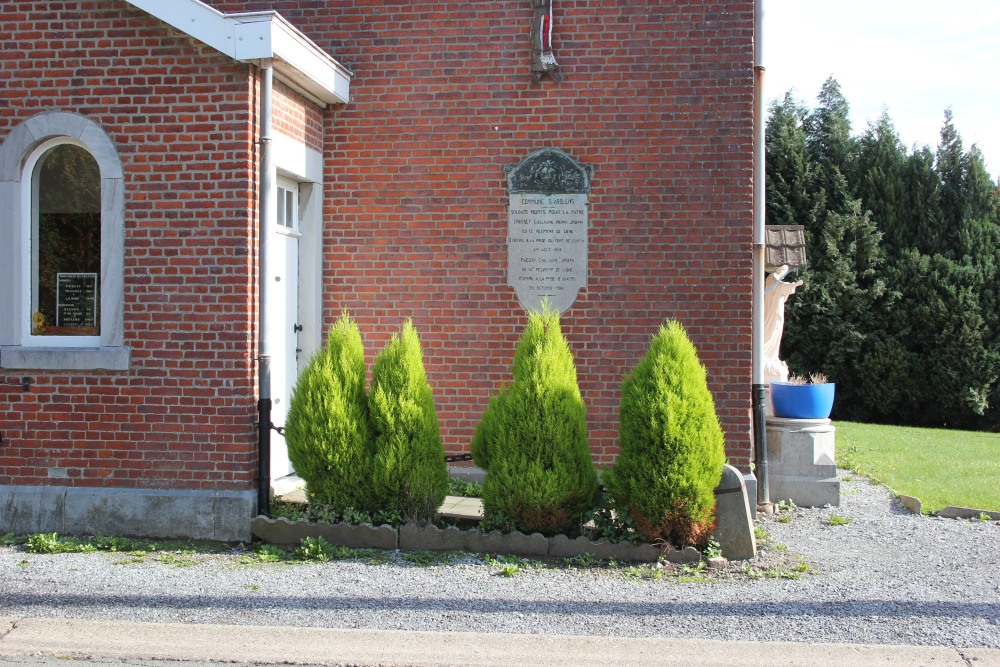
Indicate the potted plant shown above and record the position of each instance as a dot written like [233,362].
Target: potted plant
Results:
[802,397]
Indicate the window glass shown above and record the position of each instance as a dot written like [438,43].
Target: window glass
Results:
[287,205]
[66,244]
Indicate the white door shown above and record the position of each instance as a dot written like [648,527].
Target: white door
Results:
[283,317]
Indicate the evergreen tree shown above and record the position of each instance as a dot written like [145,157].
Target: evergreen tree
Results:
[923,195]
[881,181]
[790,200]
[410,474]
[832,151]
[943,338]
[671,444]
[327,429]
[532,439]
[832,323]
[901,303]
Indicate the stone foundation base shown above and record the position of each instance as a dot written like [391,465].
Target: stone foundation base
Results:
[800,458]
[203,515]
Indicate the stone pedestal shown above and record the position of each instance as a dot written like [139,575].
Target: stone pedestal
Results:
[800,457]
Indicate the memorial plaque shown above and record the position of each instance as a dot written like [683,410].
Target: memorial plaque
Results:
[547,229]
[76,300]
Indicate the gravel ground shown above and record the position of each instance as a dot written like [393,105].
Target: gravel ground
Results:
[886,577]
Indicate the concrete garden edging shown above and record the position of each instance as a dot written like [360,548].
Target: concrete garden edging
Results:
[734,532]
[364,536]
[913,504]
[411,537]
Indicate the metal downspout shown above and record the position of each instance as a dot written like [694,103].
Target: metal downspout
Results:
[266,214]
[759,389]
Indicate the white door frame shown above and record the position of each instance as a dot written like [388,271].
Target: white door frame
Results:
[297,163]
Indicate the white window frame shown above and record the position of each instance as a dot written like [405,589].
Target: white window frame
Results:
[19,153]
[288,192]
[30,250]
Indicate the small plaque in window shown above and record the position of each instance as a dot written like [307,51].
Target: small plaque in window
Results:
[76,300]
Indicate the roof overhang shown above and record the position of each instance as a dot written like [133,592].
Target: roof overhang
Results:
[254,36]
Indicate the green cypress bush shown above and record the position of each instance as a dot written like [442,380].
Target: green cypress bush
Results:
[532,439]
[671,445]
[410,474]
[327,428]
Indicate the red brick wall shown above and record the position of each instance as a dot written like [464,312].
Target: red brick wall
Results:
[295,116]
[180,116]
[657,97]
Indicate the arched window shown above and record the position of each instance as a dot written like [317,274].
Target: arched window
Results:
[62,255]
[63,248]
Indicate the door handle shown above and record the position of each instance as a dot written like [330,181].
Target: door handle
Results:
[296,328]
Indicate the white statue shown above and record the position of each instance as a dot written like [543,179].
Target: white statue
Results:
[776,293]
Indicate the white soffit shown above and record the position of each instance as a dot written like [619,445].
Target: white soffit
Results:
[251,36]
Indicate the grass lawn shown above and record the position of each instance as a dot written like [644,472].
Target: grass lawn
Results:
[938,466]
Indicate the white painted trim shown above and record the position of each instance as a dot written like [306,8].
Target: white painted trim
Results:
[294,158]
[251,36]
[300,163]
[302,64]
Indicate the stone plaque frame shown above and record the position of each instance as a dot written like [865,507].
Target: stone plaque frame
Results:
[547,222]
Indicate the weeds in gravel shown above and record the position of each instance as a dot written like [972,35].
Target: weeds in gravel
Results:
[838,520]
[375,558]
[509,565]
[584,560]
[51,543]
[134,557]
[319,550]
[652,572]
[775,561]
[430,558]
[310,549]
[269,553]
[692,574]
[177,560]
[783,511]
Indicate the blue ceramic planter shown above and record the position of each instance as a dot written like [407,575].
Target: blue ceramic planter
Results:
[802,401]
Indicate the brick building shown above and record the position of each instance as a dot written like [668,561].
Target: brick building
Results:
[129,343]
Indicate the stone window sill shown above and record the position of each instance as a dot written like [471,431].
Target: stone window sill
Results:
[64,358]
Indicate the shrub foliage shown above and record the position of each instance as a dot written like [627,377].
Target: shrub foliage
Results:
[671,444]
[327,428]
[410,474]
[532,439]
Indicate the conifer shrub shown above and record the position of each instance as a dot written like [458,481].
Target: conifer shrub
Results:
[327,428]
[532,439]
[671,447]
[410,474]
